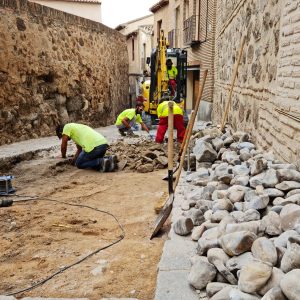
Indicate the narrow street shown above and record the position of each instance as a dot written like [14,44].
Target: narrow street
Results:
[40,237]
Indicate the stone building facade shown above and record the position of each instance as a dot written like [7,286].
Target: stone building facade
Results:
[138,35]
[266,96]
[56,67]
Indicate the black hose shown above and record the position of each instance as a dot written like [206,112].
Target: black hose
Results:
[41,282]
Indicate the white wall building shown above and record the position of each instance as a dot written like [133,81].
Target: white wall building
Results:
[89,9]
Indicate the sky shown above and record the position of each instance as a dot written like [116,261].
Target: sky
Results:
[115,12]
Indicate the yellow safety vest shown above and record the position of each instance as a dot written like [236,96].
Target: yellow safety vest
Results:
[163,109]
[172,73]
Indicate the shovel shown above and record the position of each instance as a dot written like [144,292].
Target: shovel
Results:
[167,208]
[163,217]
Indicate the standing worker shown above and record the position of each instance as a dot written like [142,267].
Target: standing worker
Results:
[162,113]
[91,147]
[128,118]
[172,74]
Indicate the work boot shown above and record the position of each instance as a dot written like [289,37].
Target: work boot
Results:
[122,132]
[113,162]
[105,165]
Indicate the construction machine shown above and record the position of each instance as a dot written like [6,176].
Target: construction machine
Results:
[158,85]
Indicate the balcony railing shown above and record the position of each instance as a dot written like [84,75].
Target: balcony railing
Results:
[190,30]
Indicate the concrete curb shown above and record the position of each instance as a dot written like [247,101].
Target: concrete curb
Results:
[174,265]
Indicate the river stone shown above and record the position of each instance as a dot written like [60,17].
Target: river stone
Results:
[272,193]
[204,152]
[273,281]
[291,199]
[290,284]
[237,243]
[293,192]
[288,175]
[217,143]
[205,244]
[258,166]
[222,204]
[201,274]
[272,223]
[240,180]
[228,140]
[197,232]
[247,145]
[183,226]
[291,257]
[211,233]
[231,157]
[194,195]
[277,208]
[268,179]
[196,215]
[282,240]
[288,185]
[207,192]
[240,170]
[254,276]
[236,294]
[218,258]
[214,287]
[237,262]
[274,294]
[245,156]
[219,194]
[236,193]
[261,201]
[222,225]
[252,226]
[219,215]
[283,166]
[264,250]
[290,216]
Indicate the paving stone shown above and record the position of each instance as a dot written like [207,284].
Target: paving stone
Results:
[176,255]
[173,285]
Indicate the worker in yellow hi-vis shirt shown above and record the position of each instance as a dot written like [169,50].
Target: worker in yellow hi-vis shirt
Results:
[128,118]
[162,113]
[91,147]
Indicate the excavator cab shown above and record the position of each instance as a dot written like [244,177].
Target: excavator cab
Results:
[158,85]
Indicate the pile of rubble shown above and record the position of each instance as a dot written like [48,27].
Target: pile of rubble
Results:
[242,208]
[141,154]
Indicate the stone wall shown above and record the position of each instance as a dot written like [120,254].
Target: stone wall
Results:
[56,67]
[268,81]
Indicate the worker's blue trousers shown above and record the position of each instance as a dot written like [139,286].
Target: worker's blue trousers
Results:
[93,159]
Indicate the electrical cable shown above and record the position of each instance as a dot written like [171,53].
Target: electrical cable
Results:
[40,198]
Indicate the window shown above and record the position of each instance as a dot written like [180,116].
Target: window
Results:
[132,48]
[159,25]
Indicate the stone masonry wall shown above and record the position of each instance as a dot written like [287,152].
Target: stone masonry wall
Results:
[56,67]
[269,75]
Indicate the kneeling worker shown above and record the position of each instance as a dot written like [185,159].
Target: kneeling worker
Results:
[162,113]
[91,147]
[128,118]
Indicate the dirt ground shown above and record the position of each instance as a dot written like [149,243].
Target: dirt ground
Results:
[39,238]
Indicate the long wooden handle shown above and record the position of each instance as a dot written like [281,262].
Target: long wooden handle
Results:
[190,129]
[232,84]
[170,145]
[184,138]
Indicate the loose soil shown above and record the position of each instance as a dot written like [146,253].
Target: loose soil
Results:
[39,238]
